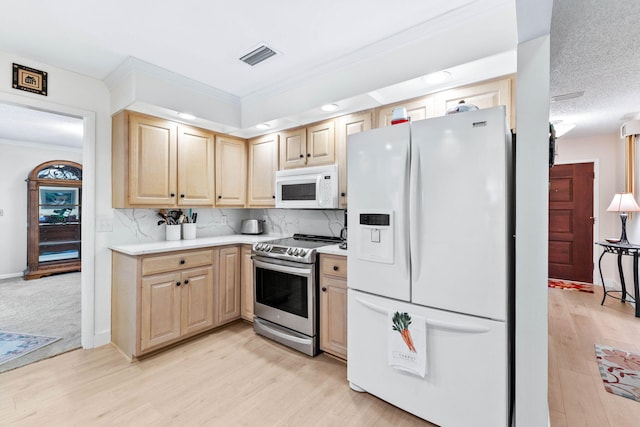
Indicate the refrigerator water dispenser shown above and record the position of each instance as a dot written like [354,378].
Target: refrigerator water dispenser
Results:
[375,236]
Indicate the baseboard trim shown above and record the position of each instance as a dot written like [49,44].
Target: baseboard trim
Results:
[10,276]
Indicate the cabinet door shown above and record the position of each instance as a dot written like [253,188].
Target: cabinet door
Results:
[231,171]
[485,95]
[321,144]
[333,316]
[152,161]
[197,300]
[293,148]
[418,109]
[229,284]
[246,293]
[263,164]
[345,126]
[159,310]
[195,167]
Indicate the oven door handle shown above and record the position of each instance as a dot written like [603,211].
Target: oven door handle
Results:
[282,268]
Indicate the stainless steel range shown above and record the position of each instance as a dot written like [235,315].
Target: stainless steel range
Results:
[286,290]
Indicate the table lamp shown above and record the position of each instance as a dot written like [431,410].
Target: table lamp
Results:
[623,203]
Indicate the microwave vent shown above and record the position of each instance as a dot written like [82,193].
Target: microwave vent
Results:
[258,55]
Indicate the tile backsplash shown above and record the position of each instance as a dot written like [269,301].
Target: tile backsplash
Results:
[141,225]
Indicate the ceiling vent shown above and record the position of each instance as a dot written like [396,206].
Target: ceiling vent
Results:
[258,55]
[567,96]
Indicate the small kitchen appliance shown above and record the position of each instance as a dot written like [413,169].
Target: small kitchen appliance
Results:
[307,188]
[285,273]
[252,226]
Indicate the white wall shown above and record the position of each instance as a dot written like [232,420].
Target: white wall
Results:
[17,160]
[604,151]
[77,95]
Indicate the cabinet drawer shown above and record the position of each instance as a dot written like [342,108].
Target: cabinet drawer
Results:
[332,265]
[176,260]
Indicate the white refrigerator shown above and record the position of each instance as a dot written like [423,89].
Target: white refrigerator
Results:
[430,267]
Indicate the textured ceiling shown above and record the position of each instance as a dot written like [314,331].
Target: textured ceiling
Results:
[594,48]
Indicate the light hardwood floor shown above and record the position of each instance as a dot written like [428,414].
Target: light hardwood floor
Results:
[230,377]
[576,393]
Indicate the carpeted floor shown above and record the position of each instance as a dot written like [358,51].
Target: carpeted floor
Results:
[47,306]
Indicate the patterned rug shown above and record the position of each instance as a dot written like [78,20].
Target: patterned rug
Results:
[568,284]
[13,345]
[620,371]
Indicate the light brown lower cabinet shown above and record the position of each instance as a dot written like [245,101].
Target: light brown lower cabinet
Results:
[246,284]
[160,299]
[333,305]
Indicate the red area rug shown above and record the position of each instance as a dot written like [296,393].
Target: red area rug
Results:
[620,371]
[568,284]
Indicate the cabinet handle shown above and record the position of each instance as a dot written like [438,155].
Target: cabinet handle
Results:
[324,289]
[301,156]
[186,281]
[182,195]
[182,261]
[335,268]
[273,197]
[178,283]
[219,197]
[308,154]
[173,194]
[343,194]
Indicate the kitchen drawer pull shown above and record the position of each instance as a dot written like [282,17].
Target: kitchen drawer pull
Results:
[182,262]
[335,268]
[324,289]
[308,154]
[178,283]
[182,196]
[301,156]
[343,194]
[219,197]
[186,281]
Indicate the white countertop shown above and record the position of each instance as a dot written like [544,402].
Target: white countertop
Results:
[201,242]
[332,250]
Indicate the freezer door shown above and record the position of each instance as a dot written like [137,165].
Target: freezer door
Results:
[461,173]
[466,363]
[378,241]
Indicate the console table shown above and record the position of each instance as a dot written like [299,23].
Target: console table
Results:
[621,249]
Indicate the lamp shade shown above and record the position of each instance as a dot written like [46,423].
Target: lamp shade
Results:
[623,202]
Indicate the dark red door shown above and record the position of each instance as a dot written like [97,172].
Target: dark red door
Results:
[571,222]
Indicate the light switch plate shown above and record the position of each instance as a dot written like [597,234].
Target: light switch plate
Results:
[104,224]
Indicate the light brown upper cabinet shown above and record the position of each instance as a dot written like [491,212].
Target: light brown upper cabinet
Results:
[263,164]
[157,163]
[484,95]
[311,146]
[417,109]
[231,171]
[345,126]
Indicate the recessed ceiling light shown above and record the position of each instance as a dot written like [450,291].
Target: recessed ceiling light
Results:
[329,107]
[263,126]
[186,116]
[435,78]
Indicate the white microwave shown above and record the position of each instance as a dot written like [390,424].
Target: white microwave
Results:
[307,188]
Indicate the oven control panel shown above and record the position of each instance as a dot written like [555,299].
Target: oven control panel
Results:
[283,252]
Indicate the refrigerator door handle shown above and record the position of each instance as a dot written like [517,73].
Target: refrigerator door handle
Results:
[415,204]
[439,324]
